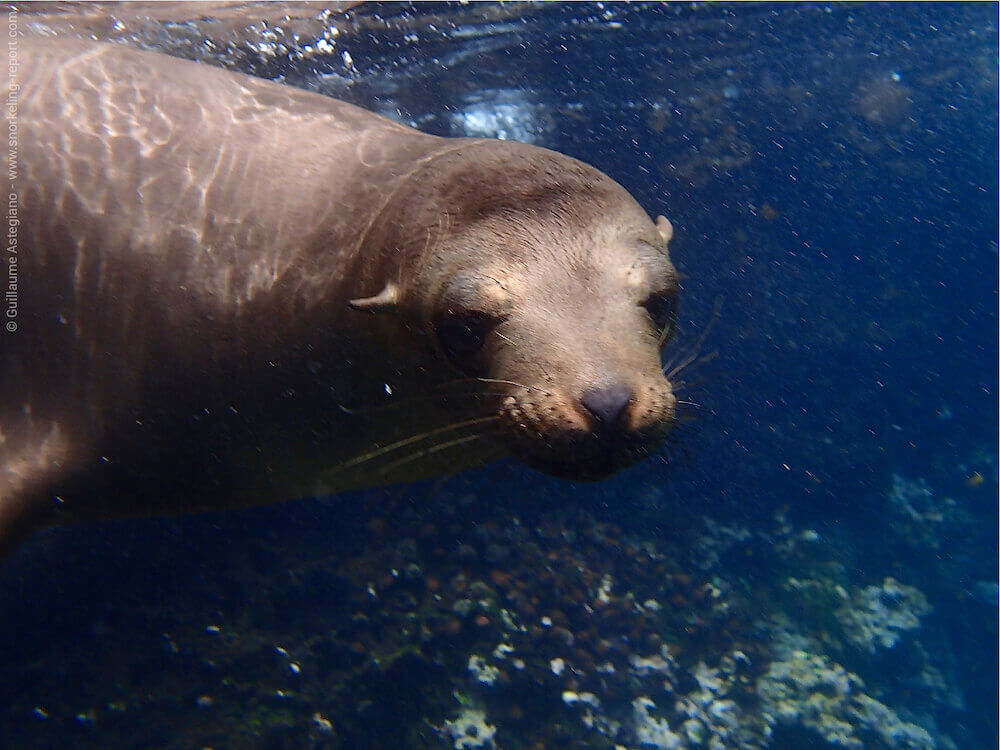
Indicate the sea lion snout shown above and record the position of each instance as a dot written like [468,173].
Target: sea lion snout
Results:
[603,428]
[607,403]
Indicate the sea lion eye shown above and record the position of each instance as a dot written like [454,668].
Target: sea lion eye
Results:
[662,309]
[462,333]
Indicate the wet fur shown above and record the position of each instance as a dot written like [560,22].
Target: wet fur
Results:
[230,289]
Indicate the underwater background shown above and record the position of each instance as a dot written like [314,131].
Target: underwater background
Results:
[813,564]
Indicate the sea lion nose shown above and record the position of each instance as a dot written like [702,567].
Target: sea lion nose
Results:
[607,403]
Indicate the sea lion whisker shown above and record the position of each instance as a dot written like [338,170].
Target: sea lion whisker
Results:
[690,364]
[689,384]
[419,454]
[500,381]
[681,386]
[463,382]
[365,457]
[516,385]
[666,333]
[676,366]
[506,338]
[691,357]
[398,403]
[695,346]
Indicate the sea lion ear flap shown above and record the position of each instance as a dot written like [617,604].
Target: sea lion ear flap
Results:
[665,228]
[384,301]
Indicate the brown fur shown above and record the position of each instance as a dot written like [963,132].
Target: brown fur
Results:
[190,242]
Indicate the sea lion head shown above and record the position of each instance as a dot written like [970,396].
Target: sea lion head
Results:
[543,279]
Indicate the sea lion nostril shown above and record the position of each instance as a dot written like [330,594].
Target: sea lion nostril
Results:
[607,403]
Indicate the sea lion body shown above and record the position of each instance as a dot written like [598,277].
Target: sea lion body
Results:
[233,292]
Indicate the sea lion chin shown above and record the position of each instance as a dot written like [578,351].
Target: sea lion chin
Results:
[238,292]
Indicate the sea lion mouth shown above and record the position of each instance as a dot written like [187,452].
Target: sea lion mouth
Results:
[599,435]
[589,467]
[587,456]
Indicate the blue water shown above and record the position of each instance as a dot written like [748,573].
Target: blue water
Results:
[831,173]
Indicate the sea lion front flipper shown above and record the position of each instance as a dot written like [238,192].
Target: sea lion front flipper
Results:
[28,468]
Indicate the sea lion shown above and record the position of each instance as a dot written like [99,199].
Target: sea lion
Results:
[232,292]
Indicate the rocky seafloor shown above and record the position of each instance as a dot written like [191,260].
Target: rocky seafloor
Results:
[445,619]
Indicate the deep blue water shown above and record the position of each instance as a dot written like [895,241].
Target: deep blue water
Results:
[831,172]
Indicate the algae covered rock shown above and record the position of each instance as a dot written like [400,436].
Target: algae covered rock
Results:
[811,692]
[470,730]
[876,617]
